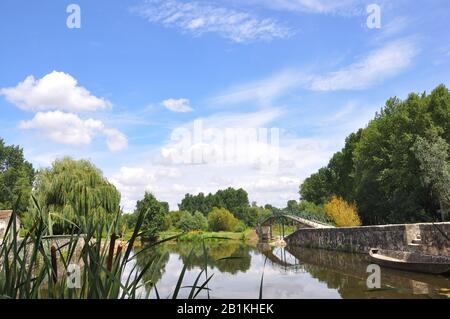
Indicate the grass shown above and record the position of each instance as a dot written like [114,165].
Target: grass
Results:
[247,235]
[35,266]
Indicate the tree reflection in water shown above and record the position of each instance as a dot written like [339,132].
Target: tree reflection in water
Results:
[291,272]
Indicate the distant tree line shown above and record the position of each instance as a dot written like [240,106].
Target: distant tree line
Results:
[395,170]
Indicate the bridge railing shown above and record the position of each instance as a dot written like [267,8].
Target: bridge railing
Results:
[305,215]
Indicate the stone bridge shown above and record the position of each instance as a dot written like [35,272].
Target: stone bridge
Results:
[264,229]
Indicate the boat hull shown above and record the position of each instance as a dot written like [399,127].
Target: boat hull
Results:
[416,262]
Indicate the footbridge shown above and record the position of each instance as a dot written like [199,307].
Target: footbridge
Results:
[264,228]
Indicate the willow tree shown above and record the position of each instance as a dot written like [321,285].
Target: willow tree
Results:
[71,192]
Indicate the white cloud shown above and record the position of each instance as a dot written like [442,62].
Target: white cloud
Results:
[178,105]
[70,129]
[198,18]
[55,91]
[299,156]
[394,27]
[377,66]
[115,140]
[264,91]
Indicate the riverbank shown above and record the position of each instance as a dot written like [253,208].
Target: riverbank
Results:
[248,236]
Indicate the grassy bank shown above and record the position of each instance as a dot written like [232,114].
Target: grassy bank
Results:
[248,235]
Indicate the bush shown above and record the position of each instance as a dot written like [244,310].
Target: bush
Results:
[200,221]
[342,213]
[185,221]
[220,219]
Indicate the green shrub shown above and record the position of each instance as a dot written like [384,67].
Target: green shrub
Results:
[200,221]
[220,219]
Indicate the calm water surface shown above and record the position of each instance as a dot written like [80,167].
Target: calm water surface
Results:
[291,272]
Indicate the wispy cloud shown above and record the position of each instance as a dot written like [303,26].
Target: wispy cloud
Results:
[198,18]
[178,105]
[375,67]
[393,27]
[378,65]
[344,7]
[263,91]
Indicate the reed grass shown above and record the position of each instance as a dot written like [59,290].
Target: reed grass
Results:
[36,265]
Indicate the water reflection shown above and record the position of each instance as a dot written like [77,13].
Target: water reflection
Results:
[291,272]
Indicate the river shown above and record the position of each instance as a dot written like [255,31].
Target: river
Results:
[291,272]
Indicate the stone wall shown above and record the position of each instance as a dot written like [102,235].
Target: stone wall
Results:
[426,238]
[5,215]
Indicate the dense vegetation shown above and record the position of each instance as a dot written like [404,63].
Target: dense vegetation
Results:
[16,178]
[71,192]
[155,213]
[395,170]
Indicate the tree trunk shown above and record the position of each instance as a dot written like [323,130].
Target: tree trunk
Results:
[443,211]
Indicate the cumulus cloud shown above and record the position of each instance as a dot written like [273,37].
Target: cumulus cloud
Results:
[178,105]
[70,129]
[298,156]
[198,18]
[54,91]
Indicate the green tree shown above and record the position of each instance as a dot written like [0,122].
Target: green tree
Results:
[317,187]
[200,221]
[234,200]
[154,219]
[70,190]
[16,178]
[433,155]
[220,219]
[378,168]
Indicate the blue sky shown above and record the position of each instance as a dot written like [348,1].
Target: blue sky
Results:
[118,89]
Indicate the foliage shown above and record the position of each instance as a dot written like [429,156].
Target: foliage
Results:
[315,188]
[68,188]
[250,216]
[128,221]
[342,213]
[16,178]
[154,217]
[220,219]
[34,268]
[188,222]
[433,156]
[378,168]
[231,199]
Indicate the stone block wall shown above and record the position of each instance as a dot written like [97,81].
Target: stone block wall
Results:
[361,239]
[5,215]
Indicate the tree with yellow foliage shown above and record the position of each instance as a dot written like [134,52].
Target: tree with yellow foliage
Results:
[342,213]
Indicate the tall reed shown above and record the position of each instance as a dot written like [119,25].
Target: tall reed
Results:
[37,265]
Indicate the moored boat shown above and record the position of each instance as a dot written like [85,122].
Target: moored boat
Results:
[411,261]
